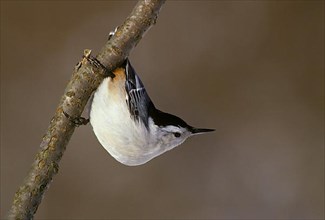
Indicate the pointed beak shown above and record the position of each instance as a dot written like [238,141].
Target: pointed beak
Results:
[201,130]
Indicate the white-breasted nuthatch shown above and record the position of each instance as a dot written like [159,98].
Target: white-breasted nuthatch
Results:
[128,125]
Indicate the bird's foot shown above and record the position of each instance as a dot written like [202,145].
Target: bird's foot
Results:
[77,121]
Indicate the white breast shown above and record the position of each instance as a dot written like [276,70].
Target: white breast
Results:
[126,140]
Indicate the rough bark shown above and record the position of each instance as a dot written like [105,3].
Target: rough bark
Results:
[86,77]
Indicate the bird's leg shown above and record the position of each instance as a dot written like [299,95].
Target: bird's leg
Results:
[77,121]
[93,61]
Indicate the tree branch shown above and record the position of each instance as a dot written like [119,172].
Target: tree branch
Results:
[85,79]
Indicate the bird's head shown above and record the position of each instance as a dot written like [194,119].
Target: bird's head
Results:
[173,130]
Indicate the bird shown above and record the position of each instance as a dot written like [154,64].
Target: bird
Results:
[127,123]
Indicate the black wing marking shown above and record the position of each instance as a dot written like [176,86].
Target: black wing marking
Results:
[137,98]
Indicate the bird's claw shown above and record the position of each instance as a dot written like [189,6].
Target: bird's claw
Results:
[77,121]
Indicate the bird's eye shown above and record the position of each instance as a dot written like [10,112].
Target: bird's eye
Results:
[177,134]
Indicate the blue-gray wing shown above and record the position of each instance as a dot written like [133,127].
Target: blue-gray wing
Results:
[137,98]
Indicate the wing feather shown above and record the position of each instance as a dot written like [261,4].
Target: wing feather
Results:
[137,98]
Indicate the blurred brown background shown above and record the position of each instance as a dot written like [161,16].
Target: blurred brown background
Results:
[254,70]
